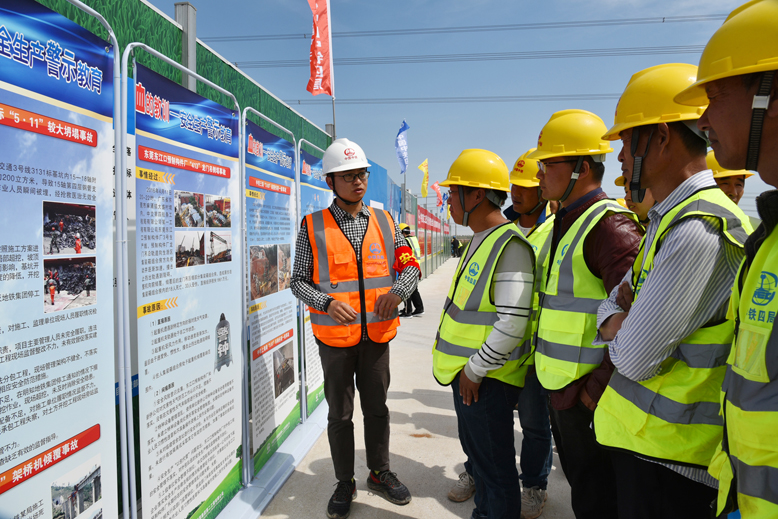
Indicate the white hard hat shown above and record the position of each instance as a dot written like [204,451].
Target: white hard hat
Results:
[78,235]
[343,155]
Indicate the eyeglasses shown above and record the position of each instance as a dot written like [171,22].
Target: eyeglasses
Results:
[544,165]
[349,177]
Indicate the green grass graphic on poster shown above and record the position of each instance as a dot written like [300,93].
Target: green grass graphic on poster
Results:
[276,438]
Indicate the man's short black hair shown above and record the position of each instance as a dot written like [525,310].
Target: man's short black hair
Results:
[501,196]
[597,168]
[693,143]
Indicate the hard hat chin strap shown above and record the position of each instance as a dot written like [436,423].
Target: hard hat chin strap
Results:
[637,166]
[541,202]
[760,104]
[573,178]
[466,216]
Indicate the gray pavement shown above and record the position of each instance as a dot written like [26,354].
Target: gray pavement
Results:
[425,450]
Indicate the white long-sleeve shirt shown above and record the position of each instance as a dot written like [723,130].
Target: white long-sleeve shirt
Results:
[511,292]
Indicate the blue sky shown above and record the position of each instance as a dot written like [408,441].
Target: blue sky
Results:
[440,132]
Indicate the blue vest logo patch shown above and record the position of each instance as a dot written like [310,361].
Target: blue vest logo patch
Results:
[766,291]
[474,269]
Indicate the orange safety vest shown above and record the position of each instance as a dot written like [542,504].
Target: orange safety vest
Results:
[336,272]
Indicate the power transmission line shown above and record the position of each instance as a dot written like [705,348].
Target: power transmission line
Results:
[458,100]
[476,28]
[487,56]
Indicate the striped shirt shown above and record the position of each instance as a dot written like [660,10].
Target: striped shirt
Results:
[689,286]
[511,291]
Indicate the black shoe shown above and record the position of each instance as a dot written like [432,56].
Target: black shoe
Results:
[386,484]
[405,314]
[340,503]
[418,312]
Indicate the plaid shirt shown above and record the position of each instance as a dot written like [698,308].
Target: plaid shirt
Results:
[354,228]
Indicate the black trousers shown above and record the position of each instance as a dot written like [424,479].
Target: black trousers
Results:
[586,464]
[369,361]
[647,490]
[414,303]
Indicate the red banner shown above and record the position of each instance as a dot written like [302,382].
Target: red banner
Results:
[271,344]
[177,161]
[269,186]
[322,77]
[37,464]
[37,123]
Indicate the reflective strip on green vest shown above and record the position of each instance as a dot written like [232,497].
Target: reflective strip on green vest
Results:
[682,400]
[569,298]
[539,239]
[469,314]
[748,458]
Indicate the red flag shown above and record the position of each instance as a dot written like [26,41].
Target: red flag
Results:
[436,187]
[322,79]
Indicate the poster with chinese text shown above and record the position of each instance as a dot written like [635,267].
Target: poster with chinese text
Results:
[187,253]
[57,422]
[272,313]
[315,195]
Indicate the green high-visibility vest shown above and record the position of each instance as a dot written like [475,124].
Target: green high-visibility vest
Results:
[674,415]
[746,462]
[469,313]
[414,243]
[569,298]
[538,239]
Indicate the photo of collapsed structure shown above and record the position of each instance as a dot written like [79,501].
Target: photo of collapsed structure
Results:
[75,492]
[69,283]
[190,249]
[264,270]
[283,367]
[189,209]
[217,211]
[220,249]
[68,229]
[284,266]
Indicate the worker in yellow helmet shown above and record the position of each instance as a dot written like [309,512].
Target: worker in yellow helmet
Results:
[732,182]
[665,324]
[639,208]
[592,243]
[414,306]
[478,350]
[739,75]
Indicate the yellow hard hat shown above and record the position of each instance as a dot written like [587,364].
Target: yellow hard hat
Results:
[572,133]
[404,226]
[745,43]
[621,181]
[525,171]
[719,172]
[649,98]
[478,168]
[622,203]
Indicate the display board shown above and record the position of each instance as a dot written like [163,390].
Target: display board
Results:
[57,429]
[315,195]
[187,271]
[272,310]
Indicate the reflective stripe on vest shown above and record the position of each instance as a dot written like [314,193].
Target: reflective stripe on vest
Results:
[538,238]
[415,246]
[747,461]
[338,274]
[682,400]
[469,314]
[569,298]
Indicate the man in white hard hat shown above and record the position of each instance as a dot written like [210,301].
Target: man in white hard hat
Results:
[352,268]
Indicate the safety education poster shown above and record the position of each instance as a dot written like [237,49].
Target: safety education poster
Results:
[272,318]
[314,196]
[57,426]
[188,299]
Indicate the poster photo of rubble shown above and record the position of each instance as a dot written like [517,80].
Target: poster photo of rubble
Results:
[219,247]
[189,208]
[68,229]
[69,283]
[76,492]
[283,367]
[264,270]
[190,249]
[217,211]
[284,266]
